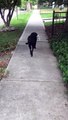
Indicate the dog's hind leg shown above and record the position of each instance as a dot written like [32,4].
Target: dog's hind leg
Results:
[31,52]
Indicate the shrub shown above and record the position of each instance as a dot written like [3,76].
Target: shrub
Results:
[60,48]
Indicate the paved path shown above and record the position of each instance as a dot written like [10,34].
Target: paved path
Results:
[33,89]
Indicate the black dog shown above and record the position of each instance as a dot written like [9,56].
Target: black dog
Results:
[32,40]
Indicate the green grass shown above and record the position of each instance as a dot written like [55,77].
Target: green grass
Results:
[46,10]
[8,40]
[50,15]
[46,15]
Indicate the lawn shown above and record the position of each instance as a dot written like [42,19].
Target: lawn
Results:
[19,24]
[48,13]
[8,40]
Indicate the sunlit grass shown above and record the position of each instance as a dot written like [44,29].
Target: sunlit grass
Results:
[48,13]
[8,40]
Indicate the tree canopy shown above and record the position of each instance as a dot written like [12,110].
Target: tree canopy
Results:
[31,1]
[56,1]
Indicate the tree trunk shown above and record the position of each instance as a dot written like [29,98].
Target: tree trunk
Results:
[6,19]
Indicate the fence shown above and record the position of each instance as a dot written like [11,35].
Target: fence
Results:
[58,18]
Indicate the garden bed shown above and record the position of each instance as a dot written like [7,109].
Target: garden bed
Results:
[59,45]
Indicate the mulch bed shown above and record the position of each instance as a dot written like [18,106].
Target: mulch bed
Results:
[5,58]
[58,28]
[4,61]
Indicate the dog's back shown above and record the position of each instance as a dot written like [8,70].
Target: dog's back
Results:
[32,39]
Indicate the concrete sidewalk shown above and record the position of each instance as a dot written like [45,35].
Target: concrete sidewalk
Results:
[33,90]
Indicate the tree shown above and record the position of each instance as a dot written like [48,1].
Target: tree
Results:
[59,2]
[8,5]
[41,1]
[26,3]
